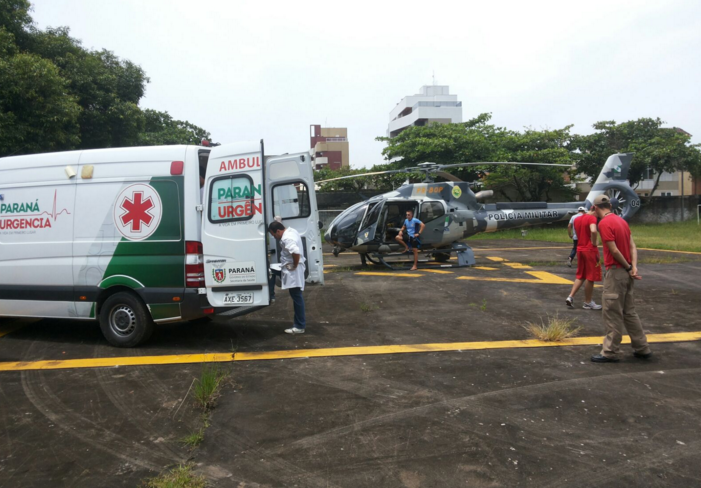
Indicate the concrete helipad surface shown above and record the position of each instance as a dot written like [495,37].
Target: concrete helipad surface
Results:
[382,405]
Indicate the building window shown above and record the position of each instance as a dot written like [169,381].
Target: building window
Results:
[649,173]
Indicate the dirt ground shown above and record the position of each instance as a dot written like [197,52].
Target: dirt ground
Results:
[481,417]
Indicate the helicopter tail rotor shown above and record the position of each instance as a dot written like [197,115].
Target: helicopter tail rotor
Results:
[613,182]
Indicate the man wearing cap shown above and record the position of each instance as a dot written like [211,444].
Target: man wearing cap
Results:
[588,266]
[573,234]
[621,262]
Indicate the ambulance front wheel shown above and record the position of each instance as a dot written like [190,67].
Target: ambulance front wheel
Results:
[125,321]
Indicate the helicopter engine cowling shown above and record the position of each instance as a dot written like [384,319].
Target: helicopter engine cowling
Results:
[484,194]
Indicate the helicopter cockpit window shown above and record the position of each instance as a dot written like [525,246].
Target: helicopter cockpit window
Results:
[372,215]
[291,201]
[431,211]
[345,230]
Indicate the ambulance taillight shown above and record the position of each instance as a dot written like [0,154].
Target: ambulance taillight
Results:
[194,265]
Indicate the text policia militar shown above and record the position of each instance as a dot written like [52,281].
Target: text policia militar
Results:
[534,214]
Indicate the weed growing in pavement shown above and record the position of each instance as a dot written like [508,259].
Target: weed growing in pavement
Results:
[208,385]
[182,476]
[195,439]
[366,307]
[557,329]
[483,307]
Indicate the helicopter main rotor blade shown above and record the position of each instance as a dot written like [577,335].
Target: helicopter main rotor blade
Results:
[361,175]
[448,176]
[484,163]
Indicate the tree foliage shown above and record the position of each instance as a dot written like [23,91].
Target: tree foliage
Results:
[57,95]
[475,141]
[384,182]
[657,148]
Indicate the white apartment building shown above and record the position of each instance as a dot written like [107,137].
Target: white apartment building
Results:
[434,103]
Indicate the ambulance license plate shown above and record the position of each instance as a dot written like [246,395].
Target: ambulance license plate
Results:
[239,298]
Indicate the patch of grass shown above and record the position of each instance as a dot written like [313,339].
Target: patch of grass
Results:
[182,476]
[367,307]
[483,307]
[339,269]
[557,329]
[195,439]
[675,236]
[208,385]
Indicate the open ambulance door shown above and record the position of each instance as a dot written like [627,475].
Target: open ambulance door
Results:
[234,228]
[290,194]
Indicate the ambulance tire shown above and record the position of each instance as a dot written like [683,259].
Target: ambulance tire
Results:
[125,321]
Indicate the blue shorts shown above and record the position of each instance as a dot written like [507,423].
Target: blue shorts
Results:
[411,241]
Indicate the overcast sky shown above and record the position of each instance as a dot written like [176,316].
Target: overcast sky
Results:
[251,70]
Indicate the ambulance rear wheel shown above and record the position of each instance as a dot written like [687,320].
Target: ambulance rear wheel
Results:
[125,321]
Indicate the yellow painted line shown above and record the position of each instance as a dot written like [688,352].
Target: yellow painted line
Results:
[541,277]
[330,266]
[486,268]
[517,265]
[10,328]
[496,258]
[437,271]
[668,250]
[325,352]
[403,275]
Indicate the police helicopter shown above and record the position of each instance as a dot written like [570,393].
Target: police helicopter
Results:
[451,211]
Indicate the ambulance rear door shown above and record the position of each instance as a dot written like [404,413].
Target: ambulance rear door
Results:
[234,227]
[290,194]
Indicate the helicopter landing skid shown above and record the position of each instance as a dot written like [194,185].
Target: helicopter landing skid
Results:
[464,253]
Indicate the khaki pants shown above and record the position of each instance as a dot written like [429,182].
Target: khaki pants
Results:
[619,312]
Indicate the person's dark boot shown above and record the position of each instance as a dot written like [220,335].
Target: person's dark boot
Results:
[599,358]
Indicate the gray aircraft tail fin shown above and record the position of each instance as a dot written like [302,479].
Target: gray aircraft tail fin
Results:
[613,180]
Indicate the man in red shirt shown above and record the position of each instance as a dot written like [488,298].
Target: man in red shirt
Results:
[588,267]
[621,262]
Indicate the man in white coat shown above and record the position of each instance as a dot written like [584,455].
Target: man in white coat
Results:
[291,272]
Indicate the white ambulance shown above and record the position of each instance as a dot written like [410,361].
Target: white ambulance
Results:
[127,237]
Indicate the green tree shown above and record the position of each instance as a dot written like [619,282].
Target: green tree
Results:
[55,94]
[656,148]
[475,141]
[37,113]
[160,128]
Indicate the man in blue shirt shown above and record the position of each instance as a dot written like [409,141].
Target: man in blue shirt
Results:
[409,237]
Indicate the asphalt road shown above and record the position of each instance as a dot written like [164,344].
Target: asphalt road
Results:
[486,413]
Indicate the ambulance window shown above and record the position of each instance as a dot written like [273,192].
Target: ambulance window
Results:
[431,211]
[291,201]
[234,198]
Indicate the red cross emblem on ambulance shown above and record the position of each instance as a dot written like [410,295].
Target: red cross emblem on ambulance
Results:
[137,211]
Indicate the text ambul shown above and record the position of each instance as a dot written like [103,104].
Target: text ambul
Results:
[242,163]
